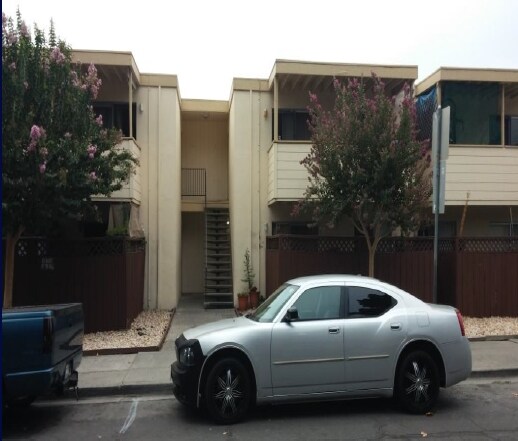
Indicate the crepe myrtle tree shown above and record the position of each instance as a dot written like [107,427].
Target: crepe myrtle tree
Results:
[365,162]
[56,153]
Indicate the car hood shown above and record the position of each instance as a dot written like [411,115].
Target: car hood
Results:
[220,325]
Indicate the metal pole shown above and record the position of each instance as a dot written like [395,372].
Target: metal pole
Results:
[437,170]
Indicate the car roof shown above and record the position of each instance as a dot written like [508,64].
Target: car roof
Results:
[349,278]
[331,278]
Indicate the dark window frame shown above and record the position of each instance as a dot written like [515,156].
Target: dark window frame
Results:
[342,303]
[298,118]
[355,316]
[118,115]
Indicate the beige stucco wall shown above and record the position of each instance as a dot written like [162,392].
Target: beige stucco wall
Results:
[159,138]
[205,145]
[249,139]
[193,254]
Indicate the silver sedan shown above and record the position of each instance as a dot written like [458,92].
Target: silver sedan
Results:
[323,338]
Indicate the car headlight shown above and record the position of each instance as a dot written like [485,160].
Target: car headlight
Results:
[187,357]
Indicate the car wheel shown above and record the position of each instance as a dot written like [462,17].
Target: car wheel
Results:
[228,391]
[417,382]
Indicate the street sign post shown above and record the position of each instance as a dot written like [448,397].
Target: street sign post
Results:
[440,151]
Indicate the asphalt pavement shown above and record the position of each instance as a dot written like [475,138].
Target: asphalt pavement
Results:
[149,372]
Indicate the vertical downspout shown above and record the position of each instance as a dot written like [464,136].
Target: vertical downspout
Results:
[502,118]
[275,110]
[130,104]
[158,199]
[148,197]
[251,168]
[259,200]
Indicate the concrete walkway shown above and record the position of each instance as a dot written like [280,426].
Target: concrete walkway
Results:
[145,371]
[149,372]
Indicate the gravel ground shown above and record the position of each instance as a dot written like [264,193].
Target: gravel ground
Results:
[484,327]
[150,327]
[147,329]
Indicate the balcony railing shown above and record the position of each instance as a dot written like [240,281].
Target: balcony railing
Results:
[194,183]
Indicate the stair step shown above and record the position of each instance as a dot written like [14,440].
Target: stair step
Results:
[218,286]
[219,294]
[218,265]
[218,305]
[219,278]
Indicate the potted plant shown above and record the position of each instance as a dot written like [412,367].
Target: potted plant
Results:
[253,296]
[242,301]
[248,278]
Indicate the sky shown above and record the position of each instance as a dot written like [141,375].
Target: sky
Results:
[208,43]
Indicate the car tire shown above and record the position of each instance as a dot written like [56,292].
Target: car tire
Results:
[228,391]
[417,382]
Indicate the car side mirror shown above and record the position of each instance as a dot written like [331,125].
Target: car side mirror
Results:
[291,315]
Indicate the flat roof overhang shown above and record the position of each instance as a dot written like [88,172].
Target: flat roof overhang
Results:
[293,74]
[117,65]
[508,76]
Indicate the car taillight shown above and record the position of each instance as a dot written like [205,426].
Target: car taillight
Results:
[48,332]
[461,323]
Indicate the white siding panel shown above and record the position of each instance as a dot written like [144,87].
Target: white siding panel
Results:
[288,178]
[488,174]
[131,190]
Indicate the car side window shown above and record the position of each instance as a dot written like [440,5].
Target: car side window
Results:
[367,302]
[320,303]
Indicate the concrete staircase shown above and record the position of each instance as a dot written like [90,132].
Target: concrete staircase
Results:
[218,260]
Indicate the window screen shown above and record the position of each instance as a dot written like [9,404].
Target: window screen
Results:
[474,112]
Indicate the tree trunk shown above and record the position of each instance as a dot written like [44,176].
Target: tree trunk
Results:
[372,253]
[10,246]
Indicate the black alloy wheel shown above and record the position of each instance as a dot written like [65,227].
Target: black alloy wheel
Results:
[228,391]
[417,382]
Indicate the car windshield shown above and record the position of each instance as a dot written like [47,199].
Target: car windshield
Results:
[269,309]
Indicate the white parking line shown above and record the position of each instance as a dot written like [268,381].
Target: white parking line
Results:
[131,416]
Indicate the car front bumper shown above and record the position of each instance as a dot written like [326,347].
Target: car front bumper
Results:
[185,383]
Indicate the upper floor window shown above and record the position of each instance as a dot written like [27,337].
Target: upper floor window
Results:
[474,112]
[116,115]
[293,125]
[511,130]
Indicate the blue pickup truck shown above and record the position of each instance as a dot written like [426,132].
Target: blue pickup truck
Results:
[42,349]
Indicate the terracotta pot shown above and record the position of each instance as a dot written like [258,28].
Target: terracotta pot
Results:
[242,303]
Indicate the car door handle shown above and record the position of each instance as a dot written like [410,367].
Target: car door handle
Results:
[395,326]
[334,330]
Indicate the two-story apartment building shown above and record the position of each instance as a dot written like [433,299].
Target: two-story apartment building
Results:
[482,168]
[215,178]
